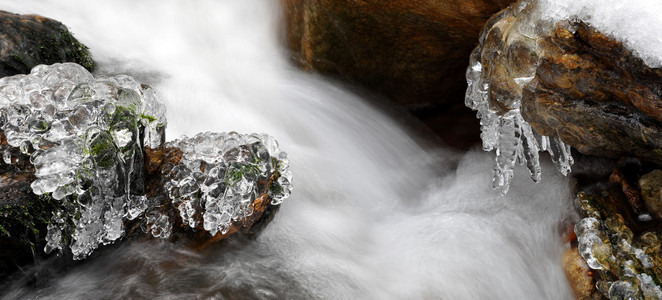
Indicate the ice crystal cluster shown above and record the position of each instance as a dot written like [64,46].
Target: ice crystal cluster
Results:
[629,265]
[506,131]
[497,75]
[83,136]
[220,177]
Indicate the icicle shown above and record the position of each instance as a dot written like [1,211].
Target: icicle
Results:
[502,126]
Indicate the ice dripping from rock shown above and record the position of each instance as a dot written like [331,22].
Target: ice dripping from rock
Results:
[537,73]
[220,177]
[500,69]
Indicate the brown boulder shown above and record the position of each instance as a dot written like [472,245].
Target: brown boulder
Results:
[413,53]
[651,192]
[596,95]
[579,275]
[158,163]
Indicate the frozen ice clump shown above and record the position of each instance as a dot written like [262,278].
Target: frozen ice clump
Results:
[591,247]
[622,290]
[223,175]
[648,287]
[158,224]
[626,264]
[84,137]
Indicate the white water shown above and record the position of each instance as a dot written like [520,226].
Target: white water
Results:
[373,215]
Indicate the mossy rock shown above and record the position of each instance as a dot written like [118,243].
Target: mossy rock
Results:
[30,40]
[23,215]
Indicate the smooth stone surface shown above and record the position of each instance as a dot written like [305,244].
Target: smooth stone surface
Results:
[30,40]
[651,192]
[412,52]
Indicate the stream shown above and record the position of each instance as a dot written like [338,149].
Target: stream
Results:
[377,211]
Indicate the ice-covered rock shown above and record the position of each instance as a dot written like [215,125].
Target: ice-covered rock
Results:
[636,23]
[222,177]
[84,137]
[495,88]
[94,148]
[626,263]
[550,74]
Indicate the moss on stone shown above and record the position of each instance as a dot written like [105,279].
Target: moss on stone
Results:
[28,41]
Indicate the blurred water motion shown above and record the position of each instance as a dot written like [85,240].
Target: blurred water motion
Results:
[374,215]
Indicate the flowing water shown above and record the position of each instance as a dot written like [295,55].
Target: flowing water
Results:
[374,214]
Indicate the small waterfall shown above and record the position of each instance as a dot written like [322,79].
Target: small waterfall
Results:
[373,215]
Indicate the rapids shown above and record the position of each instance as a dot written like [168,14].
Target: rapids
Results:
[376,212]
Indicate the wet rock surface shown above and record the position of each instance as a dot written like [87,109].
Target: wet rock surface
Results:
[596,95]
[30,40]
[579,276]
[413,53]
[651,192]
[27,41]
[23,215]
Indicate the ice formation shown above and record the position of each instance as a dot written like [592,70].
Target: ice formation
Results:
[83,136]
[221,176]
[499,71]
[591,246]
[628,264]
[504,129]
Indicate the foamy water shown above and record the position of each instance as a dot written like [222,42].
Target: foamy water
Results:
[374,215]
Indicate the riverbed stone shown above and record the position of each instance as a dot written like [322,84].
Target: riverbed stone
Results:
[30,40]
[651,191]
[579,275]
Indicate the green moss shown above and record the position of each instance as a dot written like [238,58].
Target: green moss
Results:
[102,150]
[4,231]
[237,171]
[80,54]
[20,58]
[123,118]
[25,222]
[148,118]
[98,148]
[59,45]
